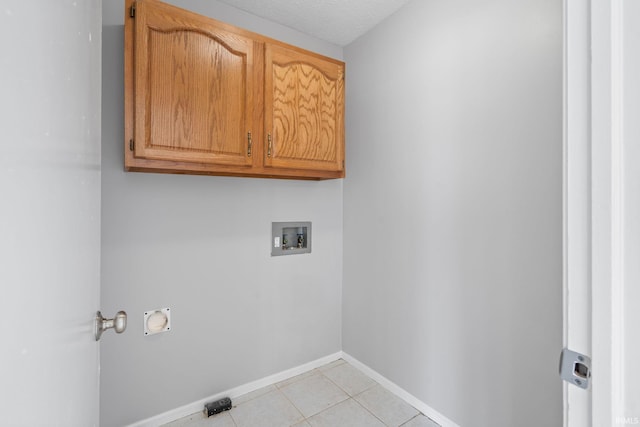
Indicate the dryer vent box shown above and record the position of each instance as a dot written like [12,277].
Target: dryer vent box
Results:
[289,238]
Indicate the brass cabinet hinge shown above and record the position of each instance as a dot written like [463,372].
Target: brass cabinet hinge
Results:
[132,11]
[249,144]
[132,145]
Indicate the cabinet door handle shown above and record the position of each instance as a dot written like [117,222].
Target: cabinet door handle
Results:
[249,144]
[270,145]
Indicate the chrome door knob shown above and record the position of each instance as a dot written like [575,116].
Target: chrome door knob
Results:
[118,323]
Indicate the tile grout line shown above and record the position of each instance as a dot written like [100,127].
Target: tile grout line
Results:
[375,384]
[292,404]
[347,393]
[349,396]
[319,372]
[381,420]
[272,387]
[416,416]
[374,415]
[233,420]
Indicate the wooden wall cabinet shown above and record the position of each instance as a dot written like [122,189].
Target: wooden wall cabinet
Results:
[205,97]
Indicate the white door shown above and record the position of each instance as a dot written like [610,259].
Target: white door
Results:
[602,201]
[50,53]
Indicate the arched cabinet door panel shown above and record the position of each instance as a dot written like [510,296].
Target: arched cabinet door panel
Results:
[193,88]
[304,110]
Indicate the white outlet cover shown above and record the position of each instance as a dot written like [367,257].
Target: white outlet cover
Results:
[157,321]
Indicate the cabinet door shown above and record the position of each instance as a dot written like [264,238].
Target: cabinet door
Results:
[304,110]
[193,85]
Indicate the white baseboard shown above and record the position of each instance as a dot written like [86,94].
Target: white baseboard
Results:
[400,392]
[198,406]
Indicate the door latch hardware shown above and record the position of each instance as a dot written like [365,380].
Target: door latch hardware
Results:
[575,368]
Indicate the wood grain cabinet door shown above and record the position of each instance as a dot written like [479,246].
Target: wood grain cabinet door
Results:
[193,85]
[304,110]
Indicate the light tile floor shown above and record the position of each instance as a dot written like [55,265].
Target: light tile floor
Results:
[334,395]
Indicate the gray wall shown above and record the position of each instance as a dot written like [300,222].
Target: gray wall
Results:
[201,246]
[453,207]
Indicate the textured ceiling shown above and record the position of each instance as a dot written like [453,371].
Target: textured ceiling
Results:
[335,21]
